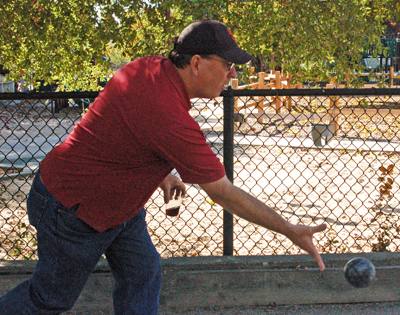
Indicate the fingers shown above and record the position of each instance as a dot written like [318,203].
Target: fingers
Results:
[179,190]
[167,195]
[321,263]
[175,193]
[317,257]
[314,251]
[304,240]
[319,228]
[173,188]
[309,247]
[183,189]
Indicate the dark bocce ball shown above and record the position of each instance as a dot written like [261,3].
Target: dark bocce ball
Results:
[359,272]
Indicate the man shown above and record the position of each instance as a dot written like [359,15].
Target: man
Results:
[89,196]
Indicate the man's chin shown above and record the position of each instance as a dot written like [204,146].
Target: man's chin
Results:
[211,95]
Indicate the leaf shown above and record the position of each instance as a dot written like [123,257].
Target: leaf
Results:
[390,169]
[388,186]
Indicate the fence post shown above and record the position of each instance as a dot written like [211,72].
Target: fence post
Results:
[391,76]
[228,102]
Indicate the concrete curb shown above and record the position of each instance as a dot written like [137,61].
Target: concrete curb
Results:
[194,282]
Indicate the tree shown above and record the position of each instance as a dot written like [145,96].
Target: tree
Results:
[72,42]
[314,40]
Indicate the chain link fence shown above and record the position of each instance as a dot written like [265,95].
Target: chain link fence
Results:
[314,155]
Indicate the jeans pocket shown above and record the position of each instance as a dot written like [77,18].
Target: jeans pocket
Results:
[36,206]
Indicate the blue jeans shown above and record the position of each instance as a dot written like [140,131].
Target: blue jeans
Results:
[68,251]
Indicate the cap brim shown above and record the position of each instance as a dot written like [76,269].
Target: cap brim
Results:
[236,55]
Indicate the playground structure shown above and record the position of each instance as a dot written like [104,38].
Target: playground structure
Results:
[323,126]
[275,80]
[279,80]
[263,80]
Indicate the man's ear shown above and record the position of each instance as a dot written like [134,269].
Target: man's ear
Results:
[195,64]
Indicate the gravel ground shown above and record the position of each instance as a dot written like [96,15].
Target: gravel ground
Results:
[389,308]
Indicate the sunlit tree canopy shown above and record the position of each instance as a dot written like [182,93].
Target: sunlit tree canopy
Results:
[79,43]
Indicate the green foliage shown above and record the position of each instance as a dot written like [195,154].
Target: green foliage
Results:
[313,40]
[75,43]
[58,41]
[116,56]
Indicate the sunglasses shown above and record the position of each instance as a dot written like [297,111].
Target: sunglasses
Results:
[228,65]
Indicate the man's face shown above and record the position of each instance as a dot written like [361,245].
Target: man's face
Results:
[214,73]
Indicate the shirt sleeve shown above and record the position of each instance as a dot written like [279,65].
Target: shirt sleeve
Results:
[177,138]
[184,146]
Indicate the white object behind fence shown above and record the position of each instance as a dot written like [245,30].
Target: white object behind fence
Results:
[7,87]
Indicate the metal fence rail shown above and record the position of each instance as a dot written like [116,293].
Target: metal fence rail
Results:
[315,155]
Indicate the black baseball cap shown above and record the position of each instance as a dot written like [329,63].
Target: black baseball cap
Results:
[210,37]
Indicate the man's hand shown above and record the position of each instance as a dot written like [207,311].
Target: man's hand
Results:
[302,236]
[172,187]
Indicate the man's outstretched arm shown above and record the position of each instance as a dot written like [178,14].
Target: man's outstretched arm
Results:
[250,208]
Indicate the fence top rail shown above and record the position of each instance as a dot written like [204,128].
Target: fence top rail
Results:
[312,92]
[227,92]
[47,95]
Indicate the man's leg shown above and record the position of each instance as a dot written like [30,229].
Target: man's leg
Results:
[68,251]
[135,264]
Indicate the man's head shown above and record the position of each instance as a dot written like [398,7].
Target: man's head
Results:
[210,37]
[205,53]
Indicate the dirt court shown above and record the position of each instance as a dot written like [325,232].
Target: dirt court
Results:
[311,185]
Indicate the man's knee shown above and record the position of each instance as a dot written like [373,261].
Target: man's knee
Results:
[148,270]
[152,267]
[57,300]
[156,265]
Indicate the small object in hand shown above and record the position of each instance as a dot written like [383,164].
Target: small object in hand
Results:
[173,206]
[359,272]
[172,212]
